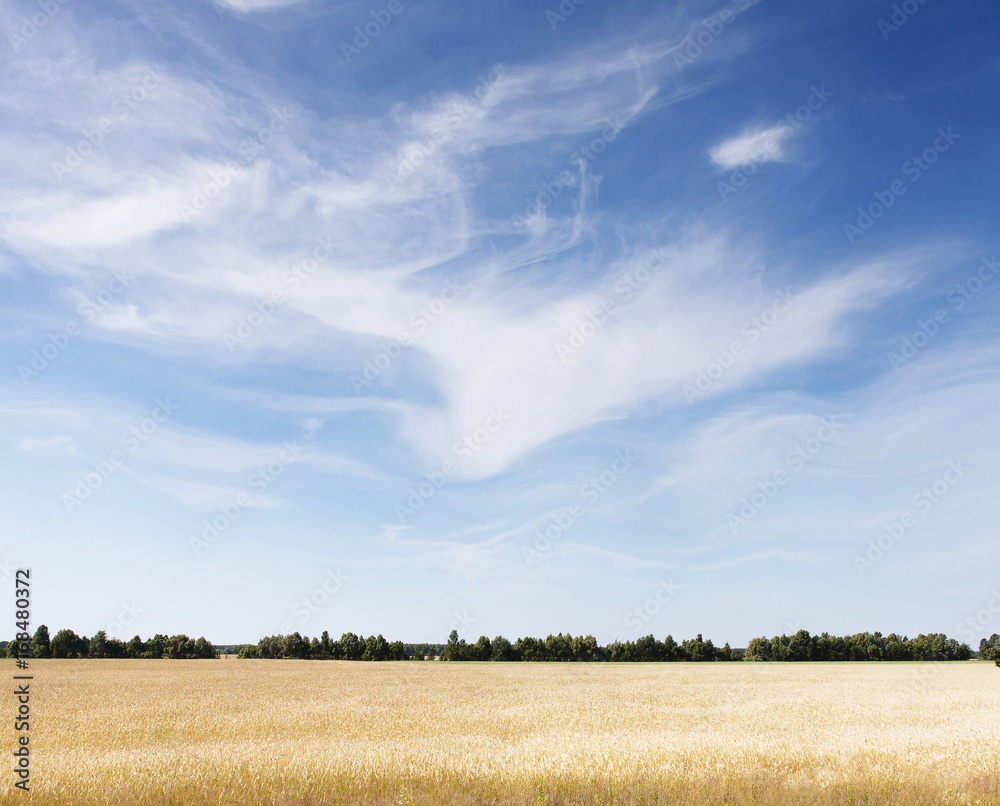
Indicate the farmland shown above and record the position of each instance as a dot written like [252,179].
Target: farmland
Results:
[310,732]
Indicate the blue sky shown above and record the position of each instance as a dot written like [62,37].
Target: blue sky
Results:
[610,318]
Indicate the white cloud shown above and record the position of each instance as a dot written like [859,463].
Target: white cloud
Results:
[259,5]
[762,145]
[206,497]
[55,445]
[650,346]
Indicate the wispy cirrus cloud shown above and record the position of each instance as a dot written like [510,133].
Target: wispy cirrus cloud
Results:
[760,145]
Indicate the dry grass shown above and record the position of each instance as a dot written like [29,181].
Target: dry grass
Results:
[308,732]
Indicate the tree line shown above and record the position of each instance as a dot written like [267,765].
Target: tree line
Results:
[562,647]
[862,646]
[990,649]
[67,644]
[553,648]
[798,647]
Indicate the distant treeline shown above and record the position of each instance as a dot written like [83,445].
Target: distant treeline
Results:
[554,648]
[67,644]
[798,647]
[865,646]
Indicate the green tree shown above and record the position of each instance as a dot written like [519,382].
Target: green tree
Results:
[559,647]
[455,649]
[799,646]
[156,647]
[179,646]
[502,650]
[40,643]
[113,648]
[64,644]
[990,649]
[759,649]
[295,647]
[698,649]
[351,647]
[376,648]
[483,650]
[670,648]
[135,648]
[529,649]
[584,648]
[98,645]
[203,648]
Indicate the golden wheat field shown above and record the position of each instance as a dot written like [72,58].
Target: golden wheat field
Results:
[231,733]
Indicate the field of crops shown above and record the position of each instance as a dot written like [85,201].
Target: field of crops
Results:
[234,733]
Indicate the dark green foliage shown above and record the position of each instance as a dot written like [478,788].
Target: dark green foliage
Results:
[861,646]
[990,649]
[502,649]
[376,648]
[98,645]
[67,644]
[40,643]
[295,647]
[564,648]
[455,649]
[203,648]
[422,651]
[155,647]
[483,650]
